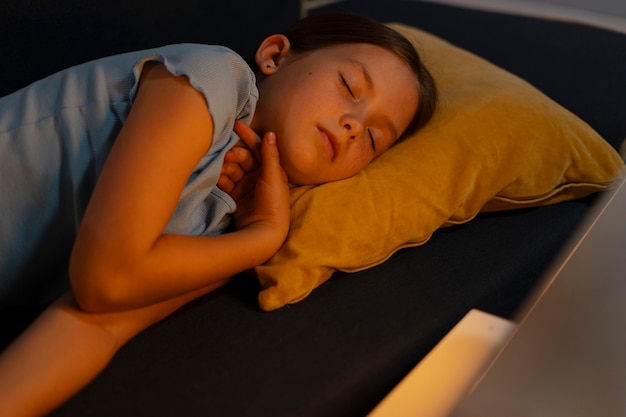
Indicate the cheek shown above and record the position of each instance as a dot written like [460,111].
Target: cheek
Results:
[358,166]
[297,159]
[361,155]
[349,167]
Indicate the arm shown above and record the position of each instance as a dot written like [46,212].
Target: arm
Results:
[121,259]
[65,348]
[121,236]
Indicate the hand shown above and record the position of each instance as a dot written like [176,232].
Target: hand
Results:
[267,206]
[240,161]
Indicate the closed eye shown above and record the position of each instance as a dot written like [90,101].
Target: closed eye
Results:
[346,85]
[369,132]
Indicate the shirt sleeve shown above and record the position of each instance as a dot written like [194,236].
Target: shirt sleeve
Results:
[228,85]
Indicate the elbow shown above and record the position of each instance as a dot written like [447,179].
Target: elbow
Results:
[97,289]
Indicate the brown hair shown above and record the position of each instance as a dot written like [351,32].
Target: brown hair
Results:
[318,31]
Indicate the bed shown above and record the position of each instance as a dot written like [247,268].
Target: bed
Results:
[342,348]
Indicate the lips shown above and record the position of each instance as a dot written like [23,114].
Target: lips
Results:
[330,142]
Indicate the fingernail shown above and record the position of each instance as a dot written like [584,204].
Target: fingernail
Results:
[271,138]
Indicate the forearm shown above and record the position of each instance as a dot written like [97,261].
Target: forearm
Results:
[56,356]
[173,266]
[196,260]
[65,348]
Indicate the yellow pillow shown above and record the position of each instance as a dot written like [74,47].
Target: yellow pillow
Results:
[495,143]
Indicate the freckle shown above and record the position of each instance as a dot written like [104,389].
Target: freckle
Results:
[310,73]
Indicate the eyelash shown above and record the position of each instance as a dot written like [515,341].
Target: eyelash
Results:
[347,87]
[372,139]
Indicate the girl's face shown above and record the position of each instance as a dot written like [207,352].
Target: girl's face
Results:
[334,109]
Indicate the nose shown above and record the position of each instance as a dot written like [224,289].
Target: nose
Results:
[352,127]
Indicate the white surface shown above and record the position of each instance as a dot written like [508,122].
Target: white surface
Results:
[588,12]
[567,357]
[544,9]
[435,385]
[615,7]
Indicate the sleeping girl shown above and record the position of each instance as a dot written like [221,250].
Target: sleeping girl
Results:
[120,178]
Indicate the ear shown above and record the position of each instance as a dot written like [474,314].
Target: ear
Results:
[270,53]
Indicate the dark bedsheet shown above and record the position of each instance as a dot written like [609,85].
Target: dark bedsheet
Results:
[339,352]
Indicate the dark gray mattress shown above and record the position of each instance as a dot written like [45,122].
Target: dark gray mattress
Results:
[341,350]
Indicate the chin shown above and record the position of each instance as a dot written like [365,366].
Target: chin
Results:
[299,175]
[297,181]
[302,179]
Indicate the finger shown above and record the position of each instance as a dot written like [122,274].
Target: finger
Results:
[245,186]
[225,184]
[233,171]
[243,157]
[241,144]
[249,137]
[271,158]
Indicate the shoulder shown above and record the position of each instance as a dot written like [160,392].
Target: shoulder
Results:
[209,60]
[224,79]
[216,71]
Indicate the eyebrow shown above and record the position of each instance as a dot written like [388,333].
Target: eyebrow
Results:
[370,84]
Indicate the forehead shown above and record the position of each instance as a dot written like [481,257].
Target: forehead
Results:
[385,69]
[365,53]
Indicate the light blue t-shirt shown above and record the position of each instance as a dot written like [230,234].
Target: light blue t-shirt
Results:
[56,134]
